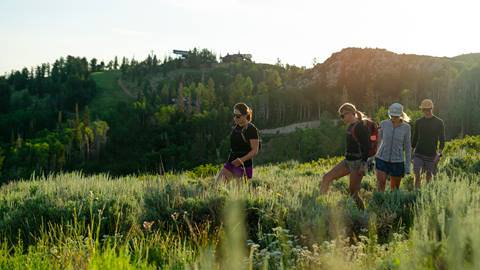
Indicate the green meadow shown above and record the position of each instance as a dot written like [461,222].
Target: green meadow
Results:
[279,220]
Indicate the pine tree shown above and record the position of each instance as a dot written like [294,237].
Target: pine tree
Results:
[115,63]
[93,65]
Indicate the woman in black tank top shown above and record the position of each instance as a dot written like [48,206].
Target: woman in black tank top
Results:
[244,145]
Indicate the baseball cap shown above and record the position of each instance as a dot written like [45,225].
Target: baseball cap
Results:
[396,109]
[426,104]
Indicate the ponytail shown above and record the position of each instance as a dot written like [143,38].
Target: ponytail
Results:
[249,115]
[405,117]
[360,115]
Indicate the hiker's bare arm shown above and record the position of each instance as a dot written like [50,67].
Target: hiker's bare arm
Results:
[254,145]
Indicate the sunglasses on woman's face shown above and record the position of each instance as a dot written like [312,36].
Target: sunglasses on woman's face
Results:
[343,115]
[237,115]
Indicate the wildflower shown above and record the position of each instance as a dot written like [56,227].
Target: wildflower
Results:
[147,225]
[174,216]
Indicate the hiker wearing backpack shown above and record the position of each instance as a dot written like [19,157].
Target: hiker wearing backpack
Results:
[394,153]
[359,136]
[428,142]
[244,145]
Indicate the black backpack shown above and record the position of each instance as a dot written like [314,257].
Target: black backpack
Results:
[372,134]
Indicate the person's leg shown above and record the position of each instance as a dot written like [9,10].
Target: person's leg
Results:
[381,173]
[431,168]
[340,170]
[396,174]
[354,188]
[395,182]
[417,167]
[418,180]
[381,180]
[224,175]
[428,176]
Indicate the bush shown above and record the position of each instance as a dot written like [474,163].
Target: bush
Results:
[204,170]
[462,156]
[393,212]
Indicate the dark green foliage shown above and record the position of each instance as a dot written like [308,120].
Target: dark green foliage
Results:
[42,99]
[461,156]
[393,212]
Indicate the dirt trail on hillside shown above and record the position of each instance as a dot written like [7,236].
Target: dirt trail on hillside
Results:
[290,128]
[125,88]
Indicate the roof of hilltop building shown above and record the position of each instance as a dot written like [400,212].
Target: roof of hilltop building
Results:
[237,57]
[181,53]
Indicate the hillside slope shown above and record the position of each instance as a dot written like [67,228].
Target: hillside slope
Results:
[109,95]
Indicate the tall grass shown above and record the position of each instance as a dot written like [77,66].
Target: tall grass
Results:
[277,221]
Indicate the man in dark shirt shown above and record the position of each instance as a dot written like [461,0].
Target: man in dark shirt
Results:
[428,142]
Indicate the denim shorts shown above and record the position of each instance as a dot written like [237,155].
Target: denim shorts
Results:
[395,169]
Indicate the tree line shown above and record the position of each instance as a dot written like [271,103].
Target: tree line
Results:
[181,115]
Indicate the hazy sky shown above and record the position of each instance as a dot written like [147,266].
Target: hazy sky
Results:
[34,32]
